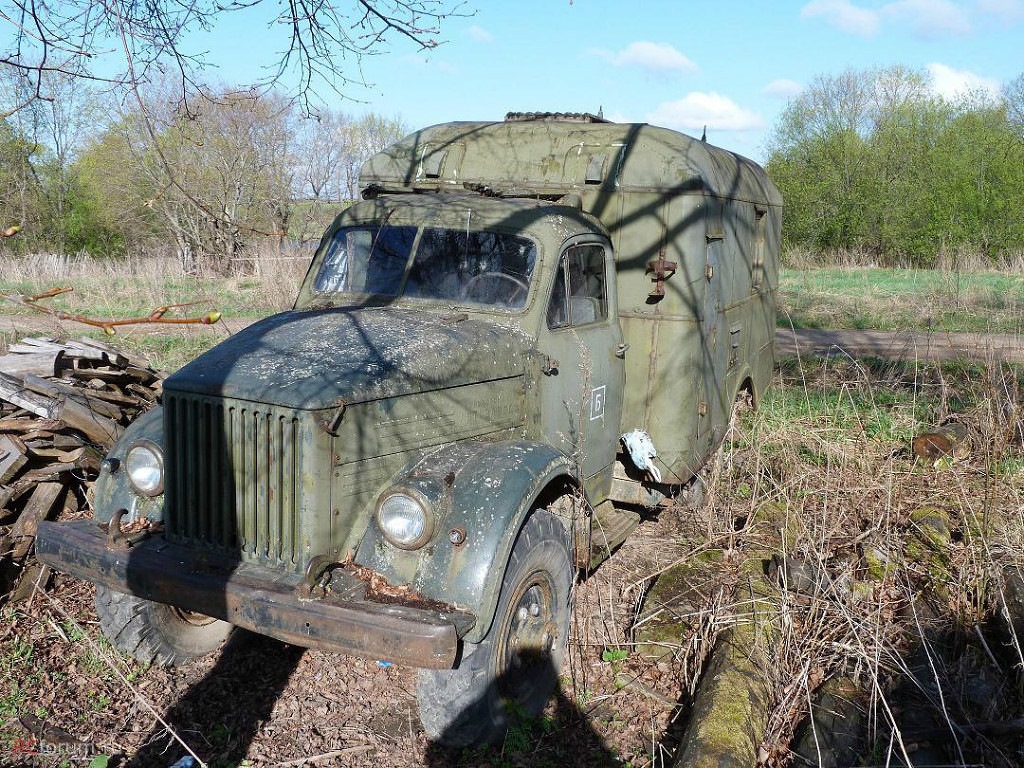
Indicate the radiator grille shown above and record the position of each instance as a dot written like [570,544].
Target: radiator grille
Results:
[233,474]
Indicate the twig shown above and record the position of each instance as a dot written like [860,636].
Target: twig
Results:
[109,326]
[356,750]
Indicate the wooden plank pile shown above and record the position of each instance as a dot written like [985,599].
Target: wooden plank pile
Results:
[62,406]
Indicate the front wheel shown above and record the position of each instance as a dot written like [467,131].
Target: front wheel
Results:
[515,667]
[156,633]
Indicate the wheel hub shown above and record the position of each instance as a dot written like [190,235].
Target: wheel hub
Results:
[530,636]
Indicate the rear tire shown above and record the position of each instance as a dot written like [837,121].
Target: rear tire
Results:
[156,633]
[515,667]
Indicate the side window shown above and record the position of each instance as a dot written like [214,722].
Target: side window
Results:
[579,296]
[757,260]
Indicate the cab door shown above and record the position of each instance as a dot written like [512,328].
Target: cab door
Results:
[583,365]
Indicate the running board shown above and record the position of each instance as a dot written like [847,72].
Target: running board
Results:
[609,527]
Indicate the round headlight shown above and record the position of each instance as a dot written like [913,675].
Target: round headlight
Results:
[145,465]
[405,521]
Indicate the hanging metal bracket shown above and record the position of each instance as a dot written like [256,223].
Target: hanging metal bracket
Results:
[662,270]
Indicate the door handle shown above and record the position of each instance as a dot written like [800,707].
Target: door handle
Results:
[550,366]
[620,351]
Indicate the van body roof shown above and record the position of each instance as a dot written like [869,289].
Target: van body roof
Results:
[548,157]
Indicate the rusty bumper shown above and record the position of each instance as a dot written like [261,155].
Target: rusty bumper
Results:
[255,597]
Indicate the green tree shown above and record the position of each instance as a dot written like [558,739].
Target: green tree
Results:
[819,152]
[118,193]
[222,174]
[872,160]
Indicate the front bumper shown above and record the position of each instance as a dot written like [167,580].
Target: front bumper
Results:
[257,598]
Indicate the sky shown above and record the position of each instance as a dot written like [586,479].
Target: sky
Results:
[729,66]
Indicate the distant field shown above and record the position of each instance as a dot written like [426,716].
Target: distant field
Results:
[816,297]
[902,299]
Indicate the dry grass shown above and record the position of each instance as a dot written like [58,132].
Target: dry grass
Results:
[261,284]
[872,600]
[890,579]
[948,259]
[818,489]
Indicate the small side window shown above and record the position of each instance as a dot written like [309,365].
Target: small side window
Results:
[757,260]
[579,296]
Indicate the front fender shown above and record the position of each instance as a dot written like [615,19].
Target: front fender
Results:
[484,491]
[112,489]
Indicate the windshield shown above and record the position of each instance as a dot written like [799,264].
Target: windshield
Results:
[452,266]
[365,260]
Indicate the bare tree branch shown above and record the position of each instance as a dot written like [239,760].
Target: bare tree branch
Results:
[109,325]
[323,41]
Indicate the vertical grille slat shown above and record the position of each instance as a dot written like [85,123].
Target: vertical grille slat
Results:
[289,497]
[233,478]
[260,462]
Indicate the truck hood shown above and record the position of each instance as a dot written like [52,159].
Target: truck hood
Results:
[311,359]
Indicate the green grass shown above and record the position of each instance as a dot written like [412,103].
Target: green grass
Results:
[831,297]
[18,669]
[823,408]
[166,353]
[902,299]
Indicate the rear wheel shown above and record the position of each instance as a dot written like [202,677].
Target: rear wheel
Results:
[515,667]
[156,633]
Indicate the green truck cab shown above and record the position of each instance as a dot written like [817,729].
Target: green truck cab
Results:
[417,460]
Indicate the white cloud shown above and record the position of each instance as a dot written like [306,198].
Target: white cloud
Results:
[782,89]
[950,83]
[479,34]
[929,18]
[925,18]
[844,15]
[697,109]
[653,57]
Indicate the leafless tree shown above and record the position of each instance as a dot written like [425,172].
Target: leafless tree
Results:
[142,41]
[1013,93]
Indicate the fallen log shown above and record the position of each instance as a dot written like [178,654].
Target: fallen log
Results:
[731,707]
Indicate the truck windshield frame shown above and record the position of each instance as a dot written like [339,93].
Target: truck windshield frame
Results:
[440,265]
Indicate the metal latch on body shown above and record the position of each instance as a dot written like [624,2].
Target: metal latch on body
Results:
[662,270]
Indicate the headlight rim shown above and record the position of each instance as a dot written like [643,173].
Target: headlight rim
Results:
[429,518]
[157,451]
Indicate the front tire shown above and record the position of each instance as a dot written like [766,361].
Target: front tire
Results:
[156,633]
[515,667]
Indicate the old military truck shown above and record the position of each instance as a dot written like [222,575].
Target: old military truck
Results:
[415,462]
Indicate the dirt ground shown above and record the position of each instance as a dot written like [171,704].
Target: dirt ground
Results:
[261,701]
[901,345]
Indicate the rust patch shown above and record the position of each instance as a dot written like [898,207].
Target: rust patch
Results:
[125,536]
[380,590]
